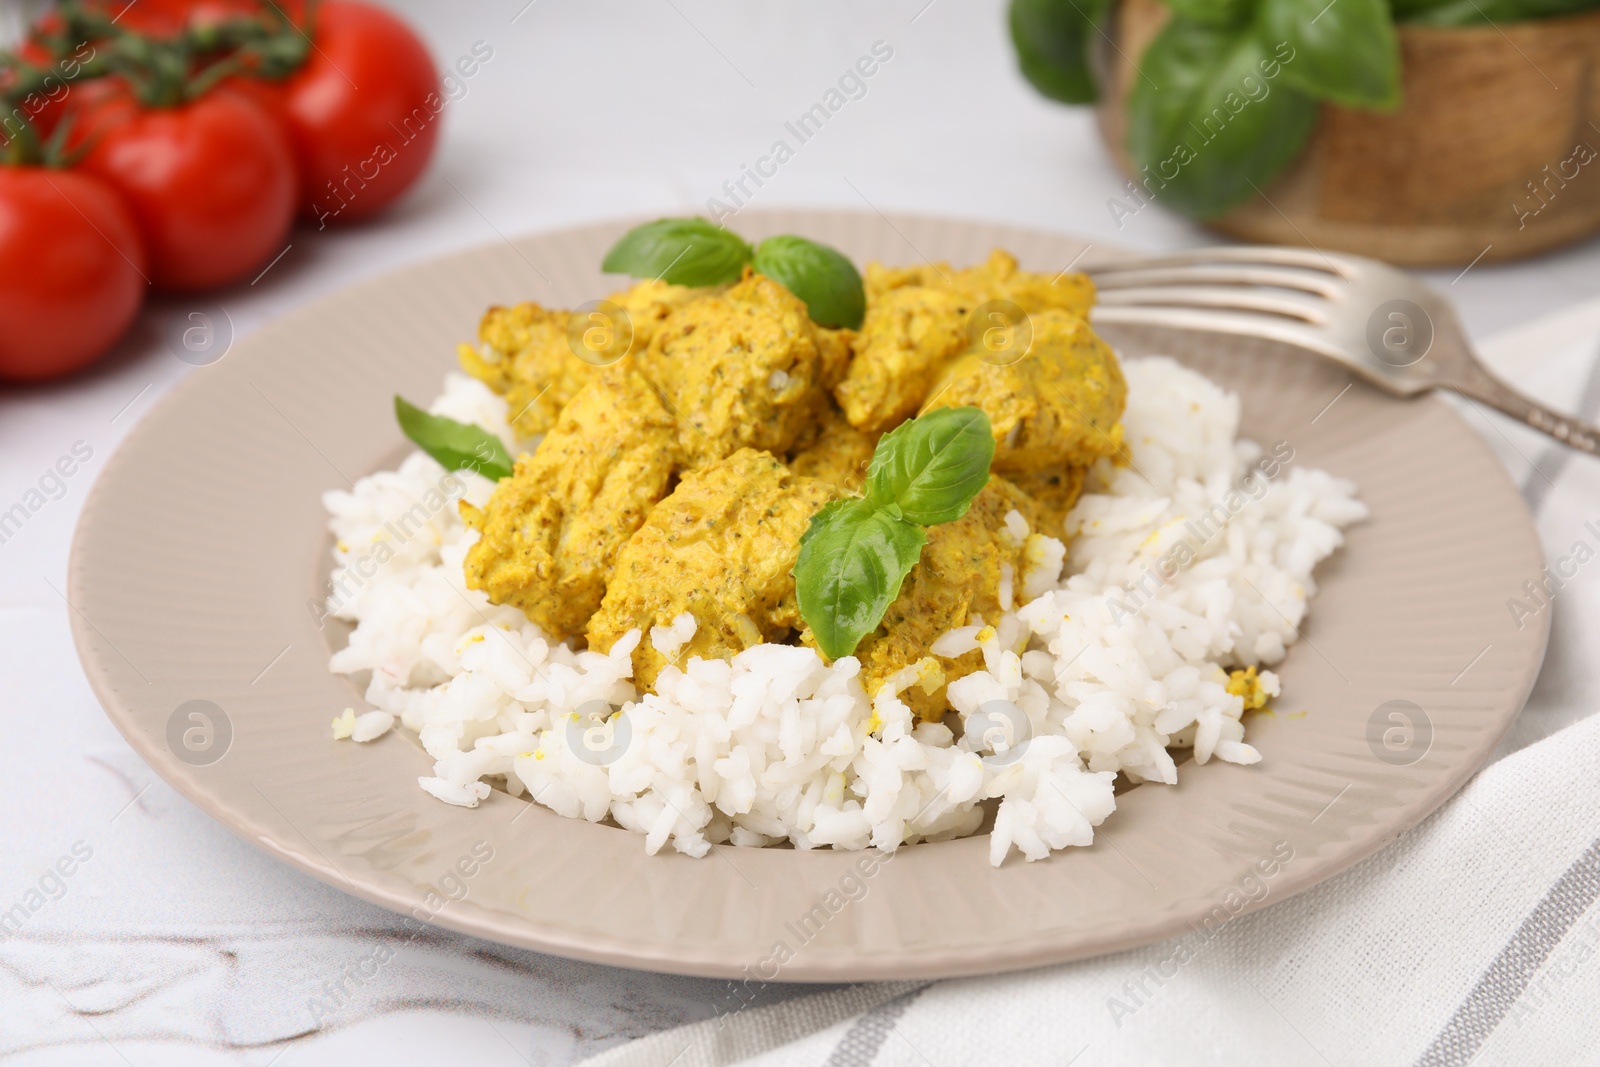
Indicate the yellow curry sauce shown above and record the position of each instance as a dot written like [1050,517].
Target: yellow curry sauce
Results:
[680,478]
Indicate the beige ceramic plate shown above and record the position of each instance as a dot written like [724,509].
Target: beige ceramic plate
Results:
[203,543]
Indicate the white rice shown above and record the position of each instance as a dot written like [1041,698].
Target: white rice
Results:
[1096,673]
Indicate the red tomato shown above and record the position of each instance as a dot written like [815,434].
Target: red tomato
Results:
[70,263]
[212,183]
[265,93]
[363,112]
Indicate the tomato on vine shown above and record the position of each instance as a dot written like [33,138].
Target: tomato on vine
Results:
[193,130]
[71,271]
[363,112]
[211,182]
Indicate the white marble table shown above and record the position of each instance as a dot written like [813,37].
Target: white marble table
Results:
[176,943]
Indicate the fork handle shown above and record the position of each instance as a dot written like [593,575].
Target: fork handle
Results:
[1479,384]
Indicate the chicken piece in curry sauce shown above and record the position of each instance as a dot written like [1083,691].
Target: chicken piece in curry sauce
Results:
[721,548]
[996,278]
[531,355]
[681,478]
[920,318]
[551,532]
[523,355]
[962,569]
[738,369]
[835,451]
[907,337]
[1059,405]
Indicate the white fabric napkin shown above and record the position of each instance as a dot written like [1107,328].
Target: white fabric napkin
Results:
[1471,939]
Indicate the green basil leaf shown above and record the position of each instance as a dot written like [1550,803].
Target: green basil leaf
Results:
[679,252]
[457,446]
[855,554]
[1221,124]
[829,283]
[932,467]
[1224,13]
[853,558]
[1345,51]
[1053,39]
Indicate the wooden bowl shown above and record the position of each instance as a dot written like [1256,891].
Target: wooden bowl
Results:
[1495,152]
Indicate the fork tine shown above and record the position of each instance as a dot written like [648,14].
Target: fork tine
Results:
[1305,259]
[1278,278]
[1214,320]
[1220,298]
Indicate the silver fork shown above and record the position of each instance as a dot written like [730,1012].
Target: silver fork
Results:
[1385,326]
